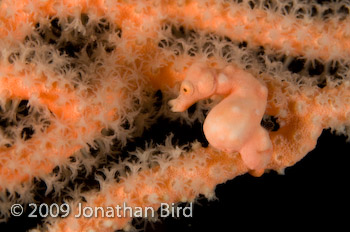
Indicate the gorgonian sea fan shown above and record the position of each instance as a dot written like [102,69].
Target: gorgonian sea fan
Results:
[84,86]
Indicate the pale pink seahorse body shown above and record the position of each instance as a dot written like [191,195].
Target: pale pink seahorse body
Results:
[233,125]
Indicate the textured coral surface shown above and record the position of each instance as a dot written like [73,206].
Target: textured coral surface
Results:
[85,86]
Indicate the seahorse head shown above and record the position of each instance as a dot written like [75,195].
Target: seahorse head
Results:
[199,84]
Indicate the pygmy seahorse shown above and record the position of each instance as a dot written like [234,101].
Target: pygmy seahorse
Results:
[233,125]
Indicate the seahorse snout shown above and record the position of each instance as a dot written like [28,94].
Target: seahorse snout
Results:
[174,105]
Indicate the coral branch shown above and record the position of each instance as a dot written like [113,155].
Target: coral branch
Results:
[182,180]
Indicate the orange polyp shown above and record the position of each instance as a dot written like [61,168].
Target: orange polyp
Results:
[256,32]
[15,87]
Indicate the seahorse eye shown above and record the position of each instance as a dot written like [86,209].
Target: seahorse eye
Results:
[186,87]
